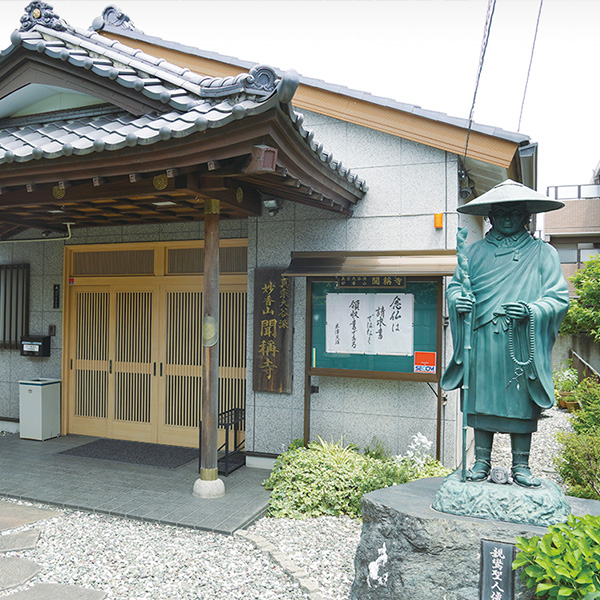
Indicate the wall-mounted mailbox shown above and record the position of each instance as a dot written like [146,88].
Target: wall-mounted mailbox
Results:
[35,345]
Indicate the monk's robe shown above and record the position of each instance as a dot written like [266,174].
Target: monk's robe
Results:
[504,269]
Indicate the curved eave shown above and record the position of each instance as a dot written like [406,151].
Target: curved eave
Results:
[298,167]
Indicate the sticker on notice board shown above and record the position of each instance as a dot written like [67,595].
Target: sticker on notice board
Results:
[425,362]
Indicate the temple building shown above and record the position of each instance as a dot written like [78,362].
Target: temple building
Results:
[139,178]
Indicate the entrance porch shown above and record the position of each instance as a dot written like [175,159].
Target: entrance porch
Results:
[36,472]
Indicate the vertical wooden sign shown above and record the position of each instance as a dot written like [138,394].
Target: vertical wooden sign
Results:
[273,326]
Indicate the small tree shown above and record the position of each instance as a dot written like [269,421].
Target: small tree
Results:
[584,312]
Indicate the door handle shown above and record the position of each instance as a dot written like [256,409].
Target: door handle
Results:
[110,367]
[161,369]
[155,369]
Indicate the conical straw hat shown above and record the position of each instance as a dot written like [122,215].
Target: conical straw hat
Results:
[510,191]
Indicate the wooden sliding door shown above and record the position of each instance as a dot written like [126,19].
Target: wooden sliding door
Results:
[133,355]
[132,401]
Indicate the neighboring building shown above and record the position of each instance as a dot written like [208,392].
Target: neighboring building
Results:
[119,143]
[575,231]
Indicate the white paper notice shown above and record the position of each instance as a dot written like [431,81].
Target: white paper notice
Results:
[370,324]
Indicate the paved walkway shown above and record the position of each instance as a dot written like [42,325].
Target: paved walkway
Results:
[36,472]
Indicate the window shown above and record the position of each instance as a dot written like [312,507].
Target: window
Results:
[586,251]
[576,253]
[14,305]
[567,253]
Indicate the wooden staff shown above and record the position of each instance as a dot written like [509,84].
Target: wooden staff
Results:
[463,270]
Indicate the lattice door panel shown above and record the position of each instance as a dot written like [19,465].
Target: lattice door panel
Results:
[181,386]
[91,393]
[232,352]
[183,398]
[90,362]
[134,367]
[93,317]
[183,358]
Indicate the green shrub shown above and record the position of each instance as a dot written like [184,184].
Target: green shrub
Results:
[578,463]
[377,449]
[297,443]
[588,417]
[565,563]
[326,479]
[584,312]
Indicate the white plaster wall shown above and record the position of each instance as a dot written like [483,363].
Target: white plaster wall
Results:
[408,183]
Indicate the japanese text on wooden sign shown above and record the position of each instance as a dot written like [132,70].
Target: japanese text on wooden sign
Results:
[370,324]
[372,281]
[273,309]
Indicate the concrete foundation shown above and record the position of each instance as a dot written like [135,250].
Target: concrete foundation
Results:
[208,489]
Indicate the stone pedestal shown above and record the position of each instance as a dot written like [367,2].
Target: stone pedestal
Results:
[408,550]
[542,506]
[208,488]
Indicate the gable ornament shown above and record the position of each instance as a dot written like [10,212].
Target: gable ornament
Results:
[114,17]
[41,13]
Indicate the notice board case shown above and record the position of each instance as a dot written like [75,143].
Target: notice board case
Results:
[418,361]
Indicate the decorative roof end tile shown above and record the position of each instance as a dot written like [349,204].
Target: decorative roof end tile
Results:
[41,13]
[114,17]
[288,86]
[260,81]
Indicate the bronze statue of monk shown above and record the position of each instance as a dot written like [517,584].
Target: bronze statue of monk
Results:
[518,299]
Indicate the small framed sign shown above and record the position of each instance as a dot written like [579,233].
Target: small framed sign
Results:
[375,332]
[425,362]
[380,282]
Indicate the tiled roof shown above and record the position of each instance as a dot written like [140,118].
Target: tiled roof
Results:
[108,22]
[191,102]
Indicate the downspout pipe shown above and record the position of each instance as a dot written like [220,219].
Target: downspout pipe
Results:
[43,239]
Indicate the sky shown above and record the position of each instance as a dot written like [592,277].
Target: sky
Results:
[423,52]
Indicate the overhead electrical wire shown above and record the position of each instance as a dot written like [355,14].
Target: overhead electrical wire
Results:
[530,62]
[486,36]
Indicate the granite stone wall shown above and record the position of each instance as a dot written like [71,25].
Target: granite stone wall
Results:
[408,183]
[45,260]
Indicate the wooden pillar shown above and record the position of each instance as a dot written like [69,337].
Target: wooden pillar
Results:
[210,344]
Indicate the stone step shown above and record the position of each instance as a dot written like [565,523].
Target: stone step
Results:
[16,571]
[53,591]
[24,540]
[16,515]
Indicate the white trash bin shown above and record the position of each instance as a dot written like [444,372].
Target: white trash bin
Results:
[39,408]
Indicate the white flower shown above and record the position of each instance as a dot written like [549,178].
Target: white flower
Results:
[417,453]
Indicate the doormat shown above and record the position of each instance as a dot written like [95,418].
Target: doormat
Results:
[137,453]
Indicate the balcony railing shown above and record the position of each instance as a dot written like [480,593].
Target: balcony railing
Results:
[574,192]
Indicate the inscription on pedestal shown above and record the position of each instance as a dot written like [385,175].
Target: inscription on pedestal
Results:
[497,578]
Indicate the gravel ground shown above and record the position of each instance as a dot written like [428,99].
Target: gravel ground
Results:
[323,547]
[131,560]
